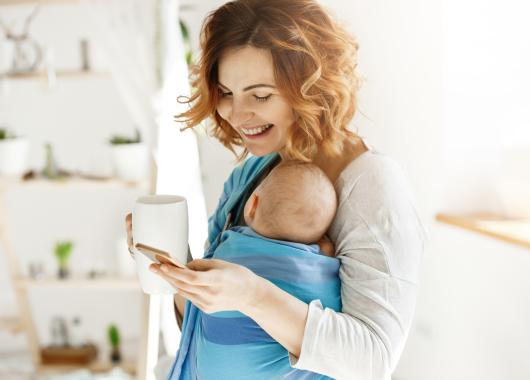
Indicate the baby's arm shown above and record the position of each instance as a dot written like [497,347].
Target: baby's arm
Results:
[326,246]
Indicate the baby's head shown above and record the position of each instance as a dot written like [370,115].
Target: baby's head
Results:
[295,202]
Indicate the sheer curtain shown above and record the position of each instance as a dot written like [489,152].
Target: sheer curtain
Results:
[142,45]
[178,159]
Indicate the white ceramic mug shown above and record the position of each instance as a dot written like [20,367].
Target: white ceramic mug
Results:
[160,221]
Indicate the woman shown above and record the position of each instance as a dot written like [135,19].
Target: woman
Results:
[278,79]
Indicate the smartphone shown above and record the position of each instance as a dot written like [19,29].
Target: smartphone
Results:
[157,255]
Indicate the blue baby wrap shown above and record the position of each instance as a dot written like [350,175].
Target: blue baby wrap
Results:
[228,344]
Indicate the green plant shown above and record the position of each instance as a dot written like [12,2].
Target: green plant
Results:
[186,40]
[6,134]
[114,336]
[63,250]
[120,139]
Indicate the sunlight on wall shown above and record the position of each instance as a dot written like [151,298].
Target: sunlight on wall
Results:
[487,118]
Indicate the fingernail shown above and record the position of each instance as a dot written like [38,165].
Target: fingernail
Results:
[153,269]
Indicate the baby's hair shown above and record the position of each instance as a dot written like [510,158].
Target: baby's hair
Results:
[293,191]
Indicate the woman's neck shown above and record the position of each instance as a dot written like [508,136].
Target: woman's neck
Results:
[334,165]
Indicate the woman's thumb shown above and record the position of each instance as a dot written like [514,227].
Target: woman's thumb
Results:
[199,264]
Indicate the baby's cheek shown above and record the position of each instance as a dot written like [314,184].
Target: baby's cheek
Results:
[259,227]
[246,215]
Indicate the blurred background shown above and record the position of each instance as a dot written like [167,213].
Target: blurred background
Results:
[88,86]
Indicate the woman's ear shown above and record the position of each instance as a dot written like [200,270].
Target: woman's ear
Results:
[253,205]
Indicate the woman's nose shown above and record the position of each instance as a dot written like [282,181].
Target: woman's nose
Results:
[240,114]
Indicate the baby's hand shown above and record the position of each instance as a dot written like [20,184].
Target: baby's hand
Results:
[326,246]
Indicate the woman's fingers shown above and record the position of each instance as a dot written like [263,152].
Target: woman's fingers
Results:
[197,290]
[194,299]
[191,291]
[202,264]
[201,278]
[128,229]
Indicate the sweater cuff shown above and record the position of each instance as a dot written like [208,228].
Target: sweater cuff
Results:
[314,315]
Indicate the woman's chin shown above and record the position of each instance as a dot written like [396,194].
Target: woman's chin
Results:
[260,151]
[263,150]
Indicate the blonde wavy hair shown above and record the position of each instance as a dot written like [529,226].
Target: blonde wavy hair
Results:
[314,61]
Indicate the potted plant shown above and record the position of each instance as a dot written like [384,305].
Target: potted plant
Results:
[114,339]
[63,250]
[131,157]
[13,154]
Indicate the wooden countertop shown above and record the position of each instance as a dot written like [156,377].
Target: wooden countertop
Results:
[515,231]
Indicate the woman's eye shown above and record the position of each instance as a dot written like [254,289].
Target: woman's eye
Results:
[262,98]
[223,94]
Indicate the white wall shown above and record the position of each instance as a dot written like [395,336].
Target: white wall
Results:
[487,118]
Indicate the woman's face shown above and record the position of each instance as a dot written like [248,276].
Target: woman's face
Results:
[250,101]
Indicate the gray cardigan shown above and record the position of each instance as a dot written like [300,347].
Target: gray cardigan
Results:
[379,240]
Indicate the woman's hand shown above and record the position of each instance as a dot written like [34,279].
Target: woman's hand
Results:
[128,228]
[179,301]
[326,246]
[213,285]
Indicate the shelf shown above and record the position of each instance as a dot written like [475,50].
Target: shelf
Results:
[12,324]
[97,366]
[74,181]
[82,283]
[42,2]
[514,231]
[43,75]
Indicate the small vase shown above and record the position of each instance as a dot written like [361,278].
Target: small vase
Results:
[63,272]
[115,356]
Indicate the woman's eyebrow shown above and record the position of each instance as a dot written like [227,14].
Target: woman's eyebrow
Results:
[249,87]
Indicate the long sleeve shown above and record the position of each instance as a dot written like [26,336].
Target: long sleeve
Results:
[379,242]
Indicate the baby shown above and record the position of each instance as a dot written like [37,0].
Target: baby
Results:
[295,202]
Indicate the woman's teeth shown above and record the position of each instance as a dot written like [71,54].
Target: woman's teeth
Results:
[256,131]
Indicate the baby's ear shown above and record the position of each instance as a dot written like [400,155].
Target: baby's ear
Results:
[254,200]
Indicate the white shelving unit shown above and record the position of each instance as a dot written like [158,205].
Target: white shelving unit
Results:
[42,2]
[24,322]
[80,283]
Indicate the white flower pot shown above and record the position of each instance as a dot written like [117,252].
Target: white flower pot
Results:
[131,161]
[14,157]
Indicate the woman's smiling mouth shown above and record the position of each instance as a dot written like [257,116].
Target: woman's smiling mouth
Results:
[256,132]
